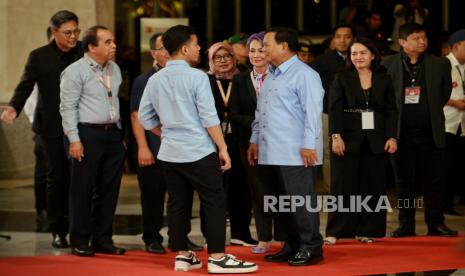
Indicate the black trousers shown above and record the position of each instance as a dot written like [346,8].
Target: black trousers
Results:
[263,220]
[417,159]
[358,174]
[238,197]
[95,183]
[57,183]
[40,175]
[204,176]
[152,186]
[302,228]
[455,163]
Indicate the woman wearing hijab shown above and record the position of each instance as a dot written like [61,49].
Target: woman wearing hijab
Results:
[246,87]
[223,67]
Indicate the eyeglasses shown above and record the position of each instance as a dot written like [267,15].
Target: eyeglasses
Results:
[159,49]
[68,33]
[226,57]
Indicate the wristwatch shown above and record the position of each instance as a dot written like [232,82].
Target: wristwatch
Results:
[335,136]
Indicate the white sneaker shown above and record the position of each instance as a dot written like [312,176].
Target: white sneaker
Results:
[183,263]
[229,264]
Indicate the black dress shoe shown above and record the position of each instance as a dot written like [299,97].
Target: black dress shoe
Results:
[155,248]
[443,231]
[282,256]
[82,251]
[109,249]
[304,257]
[59,241]
[193,247]
[403,232]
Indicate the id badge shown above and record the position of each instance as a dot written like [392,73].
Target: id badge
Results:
[412,95]
[112,113]
[368,120]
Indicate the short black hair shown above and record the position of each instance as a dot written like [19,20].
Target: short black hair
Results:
[153,40]
[288,35]
[410,28]
[49,33]
[90,36]
[344,26]
[176,37]
[61,17]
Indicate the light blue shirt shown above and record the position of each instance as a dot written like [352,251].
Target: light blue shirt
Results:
[288,115]
[83,97]
[180,98]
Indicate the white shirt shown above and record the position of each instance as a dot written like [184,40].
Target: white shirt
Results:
[455,117]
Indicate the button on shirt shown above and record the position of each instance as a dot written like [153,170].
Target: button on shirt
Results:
[180,99]
[288,115]
[84,98]
[454,116]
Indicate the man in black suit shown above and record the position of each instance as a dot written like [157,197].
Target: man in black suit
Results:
[422,84]
[44,67]
[327,65]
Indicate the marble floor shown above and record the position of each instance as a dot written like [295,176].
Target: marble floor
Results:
[18,221]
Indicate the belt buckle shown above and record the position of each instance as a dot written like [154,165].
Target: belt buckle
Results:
[107,127]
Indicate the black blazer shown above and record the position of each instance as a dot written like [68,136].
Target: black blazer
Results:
[439,88]
[346,93]
[44,67]
[242,108]
[327,65]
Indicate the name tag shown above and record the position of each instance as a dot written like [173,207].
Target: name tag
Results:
[112,113]
[368,120]
[412,95]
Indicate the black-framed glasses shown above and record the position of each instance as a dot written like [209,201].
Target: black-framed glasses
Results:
[159,49]
[68,33]
[225,57]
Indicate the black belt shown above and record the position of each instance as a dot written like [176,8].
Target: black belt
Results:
[100,126]
[354,110]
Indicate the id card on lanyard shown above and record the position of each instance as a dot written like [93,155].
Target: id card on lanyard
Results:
[368,116]
[107,85]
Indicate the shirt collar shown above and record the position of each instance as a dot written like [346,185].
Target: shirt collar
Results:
[94,65]
[407,58]
[281,69]
[453,60]
[177,62]
[342,55]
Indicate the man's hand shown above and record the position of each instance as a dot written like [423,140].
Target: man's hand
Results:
[224,160]
[156,130]
[9,114]
[76,150]
[309,156]
[145,157]
[459,104]
[252,154]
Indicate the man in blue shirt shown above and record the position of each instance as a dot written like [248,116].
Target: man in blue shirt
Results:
[287,143]
[178,104]
[149,172]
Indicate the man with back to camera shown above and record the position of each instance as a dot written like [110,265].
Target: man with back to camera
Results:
[178,104]
[44,67]
[287,142]
[149,172]
[91,121]
[422,85]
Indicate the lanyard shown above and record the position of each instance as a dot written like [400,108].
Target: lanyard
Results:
[228,93]
[366,94]
[107,85]
[462,77]
[412,73]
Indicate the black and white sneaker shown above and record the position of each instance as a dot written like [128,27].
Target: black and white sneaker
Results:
[183,263]
[229,264]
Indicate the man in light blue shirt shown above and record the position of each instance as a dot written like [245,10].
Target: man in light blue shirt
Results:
[178,104]
[287,143]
